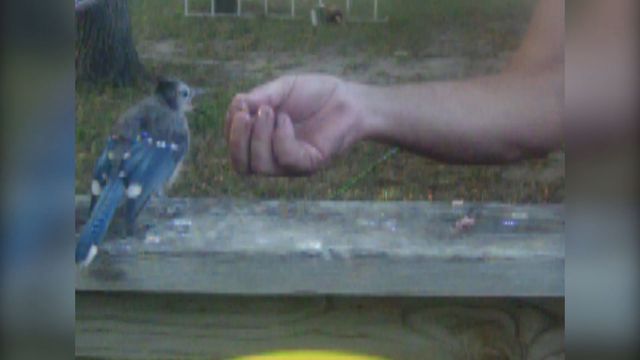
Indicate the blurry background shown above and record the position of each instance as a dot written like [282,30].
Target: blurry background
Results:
[422,41]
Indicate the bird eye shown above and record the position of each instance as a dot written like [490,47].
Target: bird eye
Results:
[184,93]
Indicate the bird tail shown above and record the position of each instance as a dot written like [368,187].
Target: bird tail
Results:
[96,228]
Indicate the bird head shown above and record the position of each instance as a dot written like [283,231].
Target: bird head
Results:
[177,94]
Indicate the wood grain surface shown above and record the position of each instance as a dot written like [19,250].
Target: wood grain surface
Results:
[155,326]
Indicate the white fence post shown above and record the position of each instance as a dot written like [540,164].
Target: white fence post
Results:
[375,9]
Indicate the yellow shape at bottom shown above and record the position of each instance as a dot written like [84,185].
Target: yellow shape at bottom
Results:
[309,355]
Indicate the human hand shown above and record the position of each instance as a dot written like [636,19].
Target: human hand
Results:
[293,125]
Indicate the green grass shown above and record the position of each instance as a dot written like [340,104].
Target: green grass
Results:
[413,25]
[434,28]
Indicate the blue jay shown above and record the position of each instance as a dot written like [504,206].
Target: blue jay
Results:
[142,156]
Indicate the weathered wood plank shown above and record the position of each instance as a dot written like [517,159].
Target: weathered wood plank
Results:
[225,246]
[128,325]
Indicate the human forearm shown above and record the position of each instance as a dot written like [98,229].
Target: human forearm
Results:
[492,119]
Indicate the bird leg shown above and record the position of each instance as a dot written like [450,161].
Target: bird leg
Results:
[165,206]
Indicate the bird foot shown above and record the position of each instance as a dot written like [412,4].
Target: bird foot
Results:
[138,231]
[167,208]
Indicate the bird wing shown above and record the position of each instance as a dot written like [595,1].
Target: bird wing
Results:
[102,171]
[154,157]
[146,170]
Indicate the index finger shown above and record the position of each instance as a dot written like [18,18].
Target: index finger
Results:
[240,142]
[238,104]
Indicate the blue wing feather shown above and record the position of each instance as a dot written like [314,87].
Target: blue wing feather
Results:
[102,170]
[150,175]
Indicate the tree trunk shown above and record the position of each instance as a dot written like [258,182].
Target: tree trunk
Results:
[105,52]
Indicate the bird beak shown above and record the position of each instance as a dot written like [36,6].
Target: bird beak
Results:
[195,92]
[199,91]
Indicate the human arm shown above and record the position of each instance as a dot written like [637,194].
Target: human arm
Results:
[297,124]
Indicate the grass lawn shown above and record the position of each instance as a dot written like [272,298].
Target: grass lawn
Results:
[423,40]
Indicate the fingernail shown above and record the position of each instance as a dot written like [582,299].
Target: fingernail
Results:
[264,112]
[240,104]
[241,107]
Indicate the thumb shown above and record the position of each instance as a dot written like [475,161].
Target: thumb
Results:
[293,155]
[272,94]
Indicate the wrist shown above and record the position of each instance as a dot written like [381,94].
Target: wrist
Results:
[365,105]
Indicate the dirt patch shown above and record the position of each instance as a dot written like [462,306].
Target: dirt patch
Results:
[387,70]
